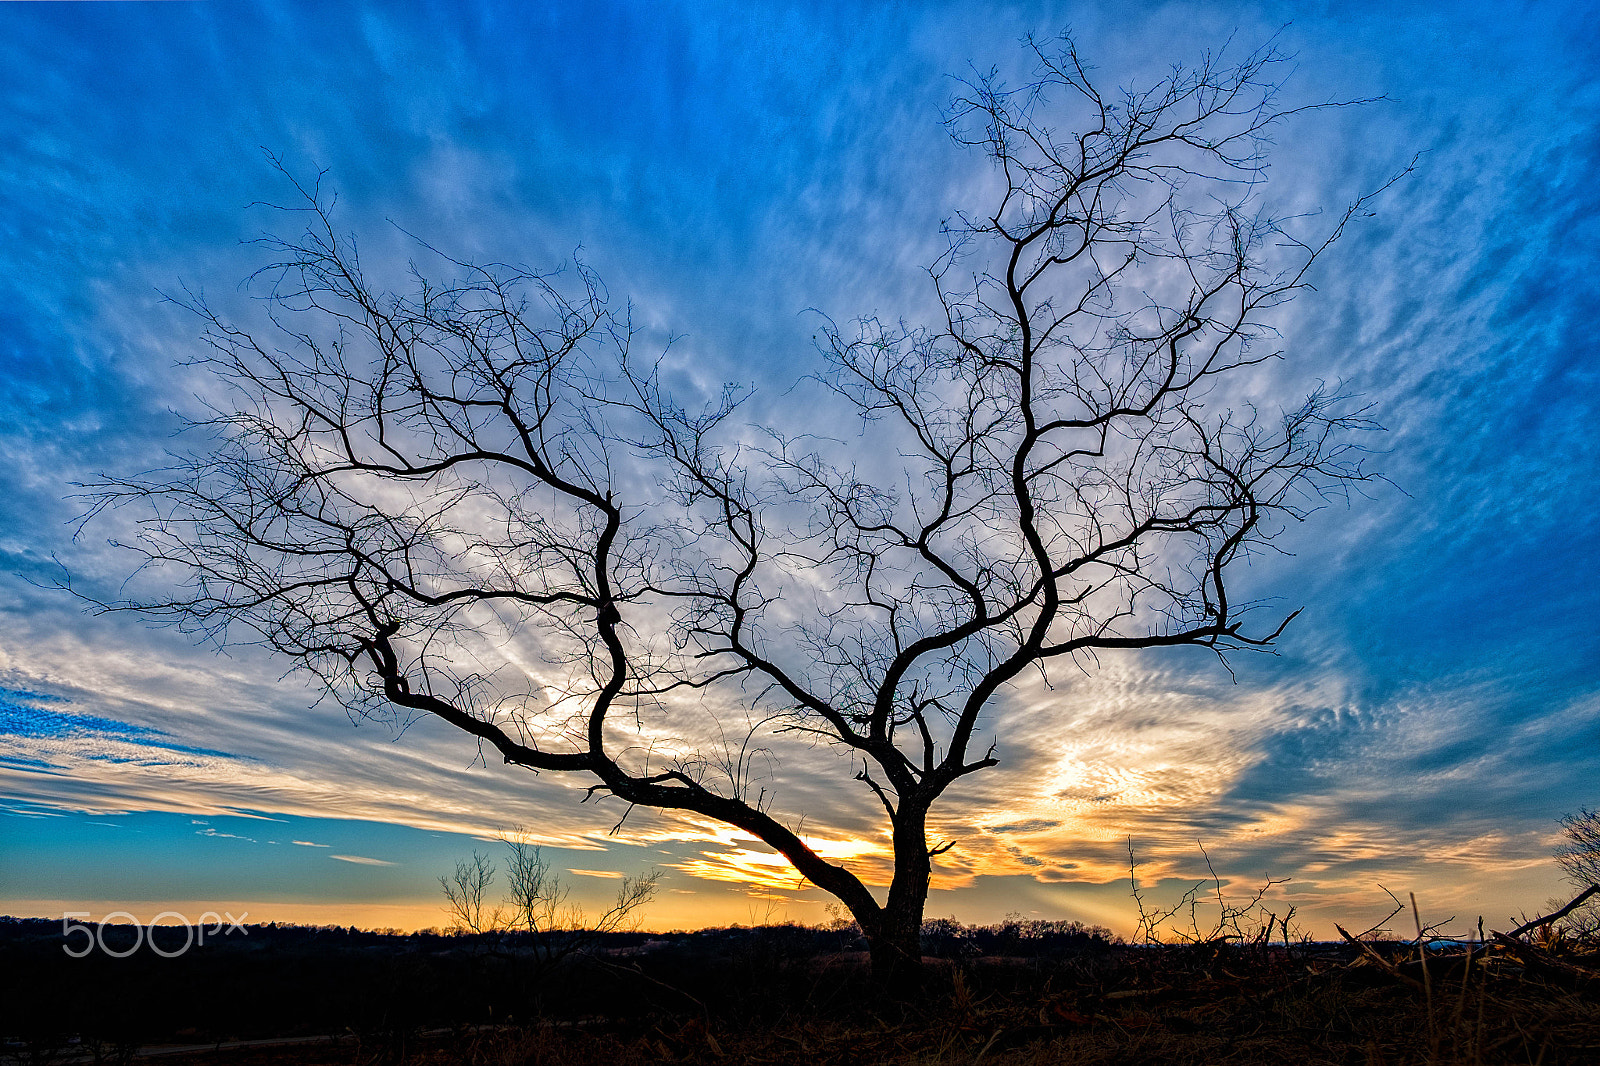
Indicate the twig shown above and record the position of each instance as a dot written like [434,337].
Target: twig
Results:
[1388,967]
[1398,907]
[634,971]
[1427,982]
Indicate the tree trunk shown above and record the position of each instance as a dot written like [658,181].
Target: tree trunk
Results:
[895,948]
[894,937]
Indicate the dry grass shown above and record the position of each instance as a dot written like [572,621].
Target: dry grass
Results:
[788,995]
[1175,1007]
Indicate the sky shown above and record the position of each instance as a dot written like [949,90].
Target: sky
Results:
[731,170]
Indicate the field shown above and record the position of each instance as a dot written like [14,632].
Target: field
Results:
[787,994]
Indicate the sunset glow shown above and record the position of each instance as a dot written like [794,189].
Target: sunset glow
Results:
[739,177]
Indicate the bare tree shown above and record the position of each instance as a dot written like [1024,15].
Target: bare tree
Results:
[1579,858]
[537,902]
[1579,853]
[464,891]
[538,898]
[473,500]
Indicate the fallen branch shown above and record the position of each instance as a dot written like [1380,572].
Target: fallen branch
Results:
[1534,959]
[1483,948]
[1547,919]
[1388,967]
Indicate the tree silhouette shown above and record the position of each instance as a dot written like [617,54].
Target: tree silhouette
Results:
[1579,852]
[474,500]
[536,905]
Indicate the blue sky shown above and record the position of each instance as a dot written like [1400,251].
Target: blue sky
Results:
[726,168]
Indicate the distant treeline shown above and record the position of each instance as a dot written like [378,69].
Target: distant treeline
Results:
[944,937]
[280,979]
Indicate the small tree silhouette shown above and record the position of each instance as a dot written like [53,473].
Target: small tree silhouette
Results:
[1580,855]
[536,903]
[1579,858]
[464,892]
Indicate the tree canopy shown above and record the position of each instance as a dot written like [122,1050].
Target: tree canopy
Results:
[475,498]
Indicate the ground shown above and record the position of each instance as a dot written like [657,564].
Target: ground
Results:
[779,995]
